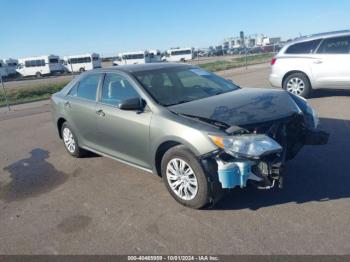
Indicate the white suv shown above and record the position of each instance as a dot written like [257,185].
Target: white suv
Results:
[318,61]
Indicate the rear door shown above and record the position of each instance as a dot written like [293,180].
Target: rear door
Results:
[80,109]
[122,134]
[331,68]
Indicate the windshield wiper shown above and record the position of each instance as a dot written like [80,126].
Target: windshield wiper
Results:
[180,102]
[218,124]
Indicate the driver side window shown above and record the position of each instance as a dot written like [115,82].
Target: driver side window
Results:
[116,88]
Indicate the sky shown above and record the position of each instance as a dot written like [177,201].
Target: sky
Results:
[68,27]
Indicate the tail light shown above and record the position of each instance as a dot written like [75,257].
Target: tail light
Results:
[273,61]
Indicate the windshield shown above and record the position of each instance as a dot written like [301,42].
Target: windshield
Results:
[171,86]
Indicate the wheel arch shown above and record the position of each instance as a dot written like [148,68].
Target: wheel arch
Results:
[60,122]
[161,150]
[294,72]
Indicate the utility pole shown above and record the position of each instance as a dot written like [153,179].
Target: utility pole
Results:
[3,87]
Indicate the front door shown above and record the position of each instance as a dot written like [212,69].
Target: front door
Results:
[122,134]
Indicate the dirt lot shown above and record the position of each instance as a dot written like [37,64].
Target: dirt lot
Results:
[51,203]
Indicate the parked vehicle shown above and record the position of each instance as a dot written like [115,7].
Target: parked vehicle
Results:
[11,66]
[3,69]
[319,61]
[39,66]
[200,132]
[155,56]
[132,58]
[81,63]
[178,55]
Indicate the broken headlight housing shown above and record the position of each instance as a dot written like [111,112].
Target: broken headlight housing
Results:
[247,146]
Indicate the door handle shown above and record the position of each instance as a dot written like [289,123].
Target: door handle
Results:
[318,62]
[100,113]
[67,105]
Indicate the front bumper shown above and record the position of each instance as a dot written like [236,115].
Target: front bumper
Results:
[264,173]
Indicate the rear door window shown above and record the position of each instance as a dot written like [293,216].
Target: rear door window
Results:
[308,47]
[337,45]
[87,87]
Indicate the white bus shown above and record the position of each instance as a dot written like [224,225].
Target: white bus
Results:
[131,58]
[81,63]
[178,55]
[3,69]
[155,56]
[11,66]
[39,65]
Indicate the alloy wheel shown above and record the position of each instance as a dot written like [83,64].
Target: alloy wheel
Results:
[181,178]
[296,86]
[68,139]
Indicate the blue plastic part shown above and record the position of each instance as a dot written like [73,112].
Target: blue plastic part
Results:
[234,175]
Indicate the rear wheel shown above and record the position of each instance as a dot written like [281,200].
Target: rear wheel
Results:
[297,84]
[38,75]
[70,141]
[81,70]
[185,178]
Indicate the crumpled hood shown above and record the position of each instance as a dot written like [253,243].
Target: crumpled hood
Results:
[242,107]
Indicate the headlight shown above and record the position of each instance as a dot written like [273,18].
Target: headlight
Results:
[250,146]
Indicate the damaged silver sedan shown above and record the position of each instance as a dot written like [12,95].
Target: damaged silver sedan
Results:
[201,133]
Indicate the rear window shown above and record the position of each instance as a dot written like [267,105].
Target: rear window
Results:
[87,87]
[338,45]
[53,60]
[303,48]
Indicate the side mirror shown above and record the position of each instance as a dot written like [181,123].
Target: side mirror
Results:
[132,104]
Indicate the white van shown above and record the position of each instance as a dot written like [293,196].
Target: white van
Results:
[40,65]
[178,55]
[11,66]
[81,63]
[131,58]
[155,56]
[3,69]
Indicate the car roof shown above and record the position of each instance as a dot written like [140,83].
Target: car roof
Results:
[142,67]
[319,36]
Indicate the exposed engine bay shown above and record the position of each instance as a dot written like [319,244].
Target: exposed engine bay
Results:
[287,135]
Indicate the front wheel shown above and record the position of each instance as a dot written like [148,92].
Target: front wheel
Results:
[185,178]
[297,84]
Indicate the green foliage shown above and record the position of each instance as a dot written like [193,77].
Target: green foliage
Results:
[32,93]
[236,62]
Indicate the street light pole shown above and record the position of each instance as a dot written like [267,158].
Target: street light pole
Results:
[3,87]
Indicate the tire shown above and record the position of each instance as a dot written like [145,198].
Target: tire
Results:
[298,84]
[200,194]
[183,60]
[77,152]
[38,75]
[81,70]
